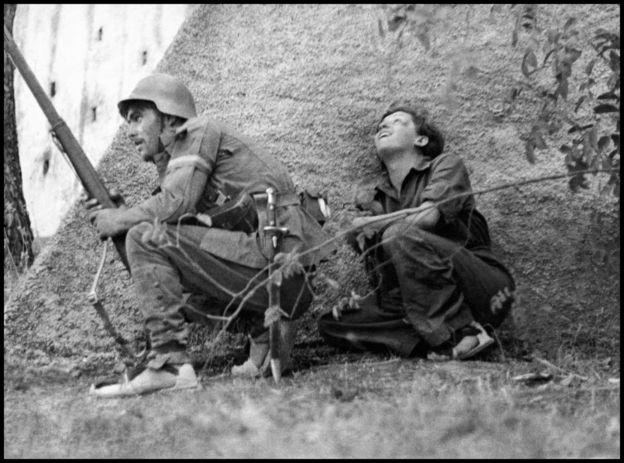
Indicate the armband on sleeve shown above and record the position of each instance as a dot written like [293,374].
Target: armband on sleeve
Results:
[189,160]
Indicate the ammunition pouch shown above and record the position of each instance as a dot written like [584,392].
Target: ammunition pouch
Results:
[241,213]
[238,214]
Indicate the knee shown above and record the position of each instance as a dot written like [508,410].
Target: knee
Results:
[398,233]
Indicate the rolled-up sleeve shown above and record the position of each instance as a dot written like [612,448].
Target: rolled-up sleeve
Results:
[448,178]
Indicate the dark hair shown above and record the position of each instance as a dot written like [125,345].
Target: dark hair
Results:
[423,127]
[138,104]
[145,104]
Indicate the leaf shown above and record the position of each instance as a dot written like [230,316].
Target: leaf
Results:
[579,102]
[424,39]
[614,61]
[576,182]
[573,54]
[530,151]
[613,82]
[514,37]
[547,56]
[562,89]
[570,22]
[565,149]
[603,142]
[605,108]
[524,68]
[538,140]
[531,59]
[607,96]
[395,22]
[606,189]
[593,138]
[590,66]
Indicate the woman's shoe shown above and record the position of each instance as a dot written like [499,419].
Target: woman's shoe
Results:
[471,344]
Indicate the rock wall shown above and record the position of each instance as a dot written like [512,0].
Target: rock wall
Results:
[87,57]
[309,82]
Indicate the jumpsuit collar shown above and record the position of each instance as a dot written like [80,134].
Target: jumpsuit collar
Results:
[416,163]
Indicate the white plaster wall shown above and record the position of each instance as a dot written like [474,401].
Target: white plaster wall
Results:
[62,44]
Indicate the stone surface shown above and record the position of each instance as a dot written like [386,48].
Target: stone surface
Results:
[309,82]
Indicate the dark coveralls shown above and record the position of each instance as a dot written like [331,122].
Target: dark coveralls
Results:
[428,284]
[204,161]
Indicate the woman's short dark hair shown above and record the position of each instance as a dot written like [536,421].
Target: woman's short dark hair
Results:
[423,127]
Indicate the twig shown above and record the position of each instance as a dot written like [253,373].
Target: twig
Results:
[552,365]
[248,291]
[405,212]
[382,362]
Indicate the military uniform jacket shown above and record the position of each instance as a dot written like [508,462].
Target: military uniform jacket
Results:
[206,156]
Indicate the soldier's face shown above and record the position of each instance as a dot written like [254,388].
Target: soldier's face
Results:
[144,129]
[396,132]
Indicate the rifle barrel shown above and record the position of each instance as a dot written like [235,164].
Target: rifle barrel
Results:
[77,157]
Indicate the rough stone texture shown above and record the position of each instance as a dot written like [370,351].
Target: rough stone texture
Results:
[309,82]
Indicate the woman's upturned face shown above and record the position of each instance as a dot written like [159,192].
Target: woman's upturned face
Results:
[395,132]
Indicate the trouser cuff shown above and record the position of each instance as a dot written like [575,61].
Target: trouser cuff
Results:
[159,357]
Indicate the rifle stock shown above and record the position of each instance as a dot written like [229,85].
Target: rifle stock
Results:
[87,174]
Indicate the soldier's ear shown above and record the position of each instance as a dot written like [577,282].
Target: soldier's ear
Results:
[421,140]
[168,121]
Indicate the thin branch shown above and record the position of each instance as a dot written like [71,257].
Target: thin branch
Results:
[248,291]
[405,212]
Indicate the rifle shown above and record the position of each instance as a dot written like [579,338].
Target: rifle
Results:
[76,156]
[83,168]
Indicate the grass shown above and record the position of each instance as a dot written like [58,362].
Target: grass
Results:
[364,409]
[337,405]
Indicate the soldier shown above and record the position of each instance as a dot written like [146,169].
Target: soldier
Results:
[201,164]
[436,280]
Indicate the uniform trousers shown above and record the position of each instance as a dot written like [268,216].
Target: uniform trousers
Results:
[165,274]
[427,288]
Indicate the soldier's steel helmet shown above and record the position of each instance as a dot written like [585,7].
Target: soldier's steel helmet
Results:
[168,94]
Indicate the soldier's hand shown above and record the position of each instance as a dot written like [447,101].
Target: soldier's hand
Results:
[117,198]
[92,204]
[107,221]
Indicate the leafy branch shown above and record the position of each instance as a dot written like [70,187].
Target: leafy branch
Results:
[596,134]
